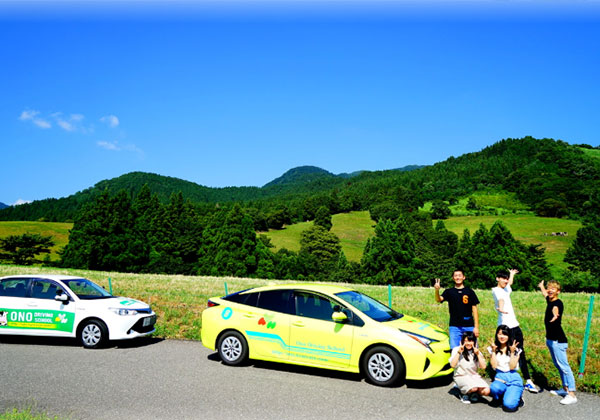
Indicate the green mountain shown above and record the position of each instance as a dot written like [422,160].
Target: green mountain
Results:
[549,176]
[300,175]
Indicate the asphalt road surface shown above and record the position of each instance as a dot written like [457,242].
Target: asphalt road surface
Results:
[169,379]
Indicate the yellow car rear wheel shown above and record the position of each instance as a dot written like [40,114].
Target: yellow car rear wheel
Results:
[233,348]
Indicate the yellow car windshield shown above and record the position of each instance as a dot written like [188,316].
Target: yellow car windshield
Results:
[369,306]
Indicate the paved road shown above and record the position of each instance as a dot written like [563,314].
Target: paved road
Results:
[154,379]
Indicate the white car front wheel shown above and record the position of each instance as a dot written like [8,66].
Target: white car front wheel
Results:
[93,334]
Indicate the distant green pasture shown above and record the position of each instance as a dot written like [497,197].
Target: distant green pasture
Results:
[529,229]
[352,228]
[58,231]
[591,152]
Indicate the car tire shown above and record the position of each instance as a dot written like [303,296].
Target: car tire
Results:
[93,334]
[383,366]
[233,348]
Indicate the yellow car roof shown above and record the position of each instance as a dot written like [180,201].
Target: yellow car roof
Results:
[322,288]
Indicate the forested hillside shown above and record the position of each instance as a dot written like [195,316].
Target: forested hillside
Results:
[553,177]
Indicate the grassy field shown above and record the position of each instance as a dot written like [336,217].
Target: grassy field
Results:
[179,301]
[352,228]
[489,202]
[529,229]
[58,231]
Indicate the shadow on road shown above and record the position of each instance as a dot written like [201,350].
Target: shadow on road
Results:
[73,342]
[327,373]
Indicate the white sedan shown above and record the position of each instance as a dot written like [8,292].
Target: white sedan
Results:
[67,306]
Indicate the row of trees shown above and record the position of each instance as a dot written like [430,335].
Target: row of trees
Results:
[120,233]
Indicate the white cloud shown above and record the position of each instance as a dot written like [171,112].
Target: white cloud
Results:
[65,125]
[31,115]
[21,201]
[77,117]
[28,115]
[42,123]
[109,145]
[111,120]
[116,147]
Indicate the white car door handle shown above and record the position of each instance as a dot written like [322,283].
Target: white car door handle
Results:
[32,305]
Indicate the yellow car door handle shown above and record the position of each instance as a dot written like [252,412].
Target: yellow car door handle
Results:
[249,315]
[298,324]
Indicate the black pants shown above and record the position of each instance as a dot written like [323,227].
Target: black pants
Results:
[518,335]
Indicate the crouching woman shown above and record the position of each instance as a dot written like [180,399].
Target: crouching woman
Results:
[507,386]
[466,359]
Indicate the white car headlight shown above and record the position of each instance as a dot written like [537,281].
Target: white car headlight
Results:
[123,311]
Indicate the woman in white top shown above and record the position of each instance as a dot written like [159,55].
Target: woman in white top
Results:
[466,359]
[507,386]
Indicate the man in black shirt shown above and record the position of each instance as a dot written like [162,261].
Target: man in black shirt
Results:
[462,305]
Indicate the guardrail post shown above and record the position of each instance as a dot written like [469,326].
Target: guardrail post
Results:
[390,295]
[586,337]
[110,285]
[226,292]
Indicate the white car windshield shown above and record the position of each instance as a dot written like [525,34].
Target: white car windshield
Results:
[85,289]
[369,306]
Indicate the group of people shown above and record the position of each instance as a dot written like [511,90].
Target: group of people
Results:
[506,351]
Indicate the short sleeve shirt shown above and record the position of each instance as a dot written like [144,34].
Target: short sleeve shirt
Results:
[460,305]
[554,330]
[509,319]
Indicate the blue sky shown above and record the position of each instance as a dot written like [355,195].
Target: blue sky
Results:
[238,93]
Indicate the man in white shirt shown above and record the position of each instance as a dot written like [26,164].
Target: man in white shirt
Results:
[506,316]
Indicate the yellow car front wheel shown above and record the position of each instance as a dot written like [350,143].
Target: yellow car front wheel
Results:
[383,366]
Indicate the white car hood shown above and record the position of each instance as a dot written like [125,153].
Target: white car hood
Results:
[115,302]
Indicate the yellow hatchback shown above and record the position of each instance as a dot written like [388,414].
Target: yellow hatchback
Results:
[324,326]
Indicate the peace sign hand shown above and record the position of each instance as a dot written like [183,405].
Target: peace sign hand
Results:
[437,284]
[513,348]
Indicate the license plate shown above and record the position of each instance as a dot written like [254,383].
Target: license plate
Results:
[148,321]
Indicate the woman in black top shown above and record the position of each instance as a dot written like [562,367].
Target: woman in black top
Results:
[556,340]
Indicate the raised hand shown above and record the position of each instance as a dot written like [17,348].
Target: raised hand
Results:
[437,284]
[513,347]
[513,271]
[461,348]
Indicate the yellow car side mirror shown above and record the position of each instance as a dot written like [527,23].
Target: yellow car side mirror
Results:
[339,317]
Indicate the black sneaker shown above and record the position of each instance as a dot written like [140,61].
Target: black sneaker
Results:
[495,403]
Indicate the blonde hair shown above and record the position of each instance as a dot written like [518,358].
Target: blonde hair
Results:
[554,283]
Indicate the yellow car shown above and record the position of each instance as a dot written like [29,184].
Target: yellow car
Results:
[324,326]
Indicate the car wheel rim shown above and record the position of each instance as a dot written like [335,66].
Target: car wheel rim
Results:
[91,334]
[231,349]
[381,367]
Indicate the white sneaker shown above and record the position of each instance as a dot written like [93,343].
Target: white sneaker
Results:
[530,386]
[464,398]
[559,392]
[569,399]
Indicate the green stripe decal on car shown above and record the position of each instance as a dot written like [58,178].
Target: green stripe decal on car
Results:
[36,319]
[274,338]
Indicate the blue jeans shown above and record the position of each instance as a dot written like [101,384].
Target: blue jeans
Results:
[456,334]
[507,387]
[558,351]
